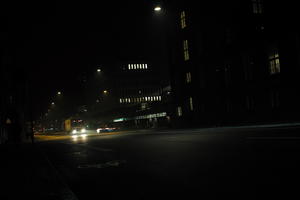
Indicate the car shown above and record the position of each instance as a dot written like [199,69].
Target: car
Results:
[106,129]
[78,132]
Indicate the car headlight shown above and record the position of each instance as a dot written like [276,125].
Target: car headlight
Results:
[74,131]
[83,130]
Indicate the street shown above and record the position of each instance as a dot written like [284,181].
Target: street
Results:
[211,163]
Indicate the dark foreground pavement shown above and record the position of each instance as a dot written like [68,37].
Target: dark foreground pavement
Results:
[217,163]
[27,174]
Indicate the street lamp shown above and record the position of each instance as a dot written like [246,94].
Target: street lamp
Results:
[53,103]
[105,92]
[59,93]
[98,70]
[157,8]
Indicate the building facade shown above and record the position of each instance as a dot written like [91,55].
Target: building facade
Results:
[233,62]
[130,94]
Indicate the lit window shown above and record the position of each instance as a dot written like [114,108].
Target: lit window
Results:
[128,66]
[188,77]
[159,98]
[274,62]
[191,104]
[121,101]
[151,98]
[257,6]
[146,66]
[138,66]
[182,20]
[134,66]
[179,111]
[143,66]
[186,50]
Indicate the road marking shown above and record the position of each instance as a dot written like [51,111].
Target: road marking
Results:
[113,163]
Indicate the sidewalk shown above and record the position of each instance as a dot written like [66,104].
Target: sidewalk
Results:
[27,173]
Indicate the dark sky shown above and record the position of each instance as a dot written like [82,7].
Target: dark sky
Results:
[56,41]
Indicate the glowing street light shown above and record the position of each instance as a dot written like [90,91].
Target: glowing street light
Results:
[99,70]
[59,93]
[53,103]
[105,92]
[157,9]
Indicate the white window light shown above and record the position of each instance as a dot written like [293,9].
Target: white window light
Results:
[151,98]
[128,66]
[143,66]
[121,101]
[146,66]
[134,66]
[191,104]
[179,111]
[159,98]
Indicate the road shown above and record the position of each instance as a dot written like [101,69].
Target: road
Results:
[212,163]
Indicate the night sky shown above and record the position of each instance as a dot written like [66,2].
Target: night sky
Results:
[55,42]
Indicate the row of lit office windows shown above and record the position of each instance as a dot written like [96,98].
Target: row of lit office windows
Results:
[140,99]
[137,66]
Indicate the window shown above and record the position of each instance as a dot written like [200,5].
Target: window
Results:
[257,6]
[188,77]
[186,50]
[275,101]
[191,103]
[179,111]
[248,64]
[274,62]
[249,102]
[182,20]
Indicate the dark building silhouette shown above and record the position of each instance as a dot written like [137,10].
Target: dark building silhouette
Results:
[233,62]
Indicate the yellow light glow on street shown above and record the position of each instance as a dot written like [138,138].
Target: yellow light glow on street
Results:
[157,9]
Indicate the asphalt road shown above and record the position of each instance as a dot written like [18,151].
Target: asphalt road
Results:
[215,163]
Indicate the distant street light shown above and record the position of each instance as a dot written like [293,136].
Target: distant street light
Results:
[59,93]
[98,70]
[105,92]
[53,103]
[157,9]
